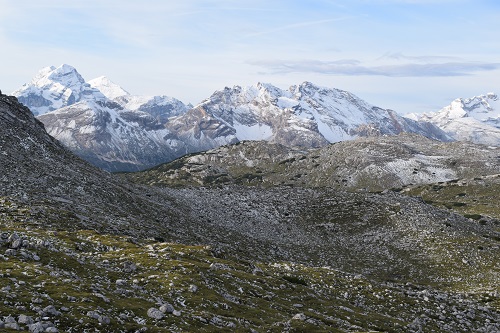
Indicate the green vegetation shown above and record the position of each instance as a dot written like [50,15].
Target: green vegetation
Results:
[108,283]
[476,198]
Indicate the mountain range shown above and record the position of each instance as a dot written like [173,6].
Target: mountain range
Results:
[103,123]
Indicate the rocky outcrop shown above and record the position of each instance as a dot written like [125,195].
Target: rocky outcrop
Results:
[200,130]
[371,164]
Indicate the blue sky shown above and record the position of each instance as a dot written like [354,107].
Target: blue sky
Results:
[407,55]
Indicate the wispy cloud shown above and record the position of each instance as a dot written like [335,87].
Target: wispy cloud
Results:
[424,59]
[297,25]
[434,69]
[353,67]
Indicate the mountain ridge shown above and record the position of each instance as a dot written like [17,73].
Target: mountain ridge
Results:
[321,115]
[363,164]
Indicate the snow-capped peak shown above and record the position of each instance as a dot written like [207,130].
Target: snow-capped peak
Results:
[65,74]
[269,88]
[484,108]
[475,119]
[110,89]
[56,87]
[315,115]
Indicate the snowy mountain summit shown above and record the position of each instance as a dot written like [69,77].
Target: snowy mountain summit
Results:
[475,119]
[94,120]
[110,89]
[160,107]
[56,87]
[306,115]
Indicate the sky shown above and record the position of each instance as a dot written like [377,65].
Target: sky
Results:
[405,55]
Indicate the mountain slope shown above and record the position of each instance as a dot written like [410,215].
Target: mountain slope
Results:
[304,116]
[265,259]
[110,137]
[38,170]
[475,119]
[115,130]
[160,107]
[58,187]
[475,197]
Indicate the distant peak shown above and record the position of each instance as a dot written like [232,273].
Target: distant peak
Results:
[110,89]
[268,88]
[64,74]
[101,79]
[303,88]
[492,95]
[263,85]
[43,73]
[310,85]
[484,99]
[62,70]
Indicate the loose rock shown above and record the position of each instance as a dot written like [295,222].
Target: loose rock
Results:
[299,316]
[155,313]
[167,308]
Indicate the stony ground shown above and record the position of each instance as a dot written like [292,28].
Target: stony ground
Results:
[83,281]
[476,198]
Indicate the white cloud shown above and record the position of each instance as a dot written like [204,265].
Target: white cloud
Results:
[423,59]
[352,67]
